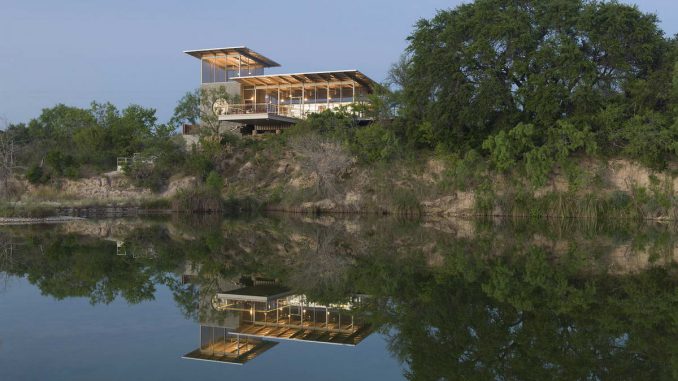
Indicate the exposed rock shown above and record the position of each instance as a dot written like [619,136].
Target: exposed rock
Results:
[305,182]
[111,186]
[352,199]
[625,175]
[325,205]
[459,204]
[180,184]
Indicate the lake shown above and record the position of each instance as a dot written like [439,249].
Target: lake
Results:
[327,298]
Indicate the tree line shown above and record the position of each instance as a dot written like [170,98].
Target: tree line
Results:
[519,85]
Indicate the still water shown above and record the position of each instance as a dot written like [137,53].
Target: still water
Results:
[289,298]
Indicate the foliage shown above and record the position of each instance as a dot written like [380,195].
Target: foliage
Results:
[652,138]
[35,175]
[63,139]
[529,80]
[539,150]
[195,108]
[198,200]
[375,142]
[214,182]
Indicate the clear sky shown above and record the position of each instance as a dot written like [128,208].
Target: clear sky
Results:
[123,51]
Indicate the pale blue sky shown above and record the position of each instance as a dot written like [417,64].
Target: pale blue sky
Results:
[123,51]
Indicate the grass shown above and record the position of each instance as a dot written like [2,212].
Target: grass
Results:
[638,205]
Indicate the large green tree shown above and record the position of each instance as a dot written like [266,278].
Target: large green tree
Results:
[489,65]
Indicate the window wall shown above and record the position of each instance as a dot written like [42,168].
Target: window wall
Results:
[297,101]
[223,68]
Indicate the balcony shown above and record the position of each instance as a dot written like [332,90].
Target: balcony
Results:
[271,113]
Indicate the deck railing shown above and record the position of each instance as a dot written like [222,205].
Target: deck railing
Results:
[252,108]
[297,110]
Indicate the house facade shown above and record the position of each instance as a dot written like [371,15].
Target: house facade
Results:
[272,102]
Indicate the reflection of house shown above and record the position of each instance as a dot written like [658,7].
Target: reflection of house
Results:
[238,325]
[275,101]
[274,312]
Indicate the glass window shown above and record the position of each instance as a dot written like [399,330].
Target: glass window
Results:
[207,71]
[220,69]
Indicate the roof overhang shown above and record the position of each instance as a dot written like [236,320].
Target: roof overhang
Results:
[310,77]
[242,50]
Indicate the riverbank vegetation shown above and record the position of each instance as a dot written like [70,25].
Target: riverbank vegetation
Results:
[529,113]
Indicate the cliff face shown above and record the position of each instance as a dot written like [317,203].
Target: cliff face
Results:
[307,175]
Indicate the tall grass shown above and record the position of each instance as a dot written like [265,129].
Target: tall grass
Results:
[406,203]
[198,200]
[206,200]
[639,204]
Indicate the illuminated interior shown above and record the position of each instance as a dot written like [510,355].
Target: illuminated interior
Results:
[293,317]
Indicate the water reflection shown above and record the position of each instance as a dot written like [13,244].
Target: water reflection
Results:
[456,299]
[238,319]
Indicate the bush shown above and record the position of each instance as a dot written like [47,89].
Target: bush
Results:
[148,175]
[214,182]
[406,203]
[538,150]
[36,175]
[463,174]
[198,200]
[374,143]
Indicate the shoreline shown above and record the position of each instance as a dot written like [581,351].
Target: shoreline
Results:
[38,220]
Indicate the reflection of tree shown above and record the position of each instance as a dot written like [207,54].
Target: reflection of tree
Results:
[7,260]
[525,316]
[320,269]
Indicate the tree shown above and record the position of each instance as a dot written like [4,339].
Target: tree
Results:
[196,108]
[7,160]
[187,110]
[489,65]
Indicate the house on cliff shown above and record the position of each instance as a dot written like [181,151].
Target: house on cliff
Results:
[271,102]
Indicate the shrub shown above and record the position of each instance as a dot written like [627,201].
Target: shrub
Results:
[214,182]
[36,175]
[406,203]
[538,150]
[374,143]
[148,175]
[198,200]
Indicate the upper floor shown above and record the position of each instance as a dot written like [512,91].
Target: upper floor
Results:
[225,64]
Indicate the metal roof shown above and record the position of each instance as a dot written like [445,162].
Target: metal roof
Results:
[243,50]
[310,77]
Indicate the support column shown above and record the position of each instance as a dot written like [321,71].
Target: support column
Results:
[303,99]
[328,95]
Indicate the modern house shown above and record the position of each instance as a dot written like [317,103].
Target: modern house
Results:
[272,102]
